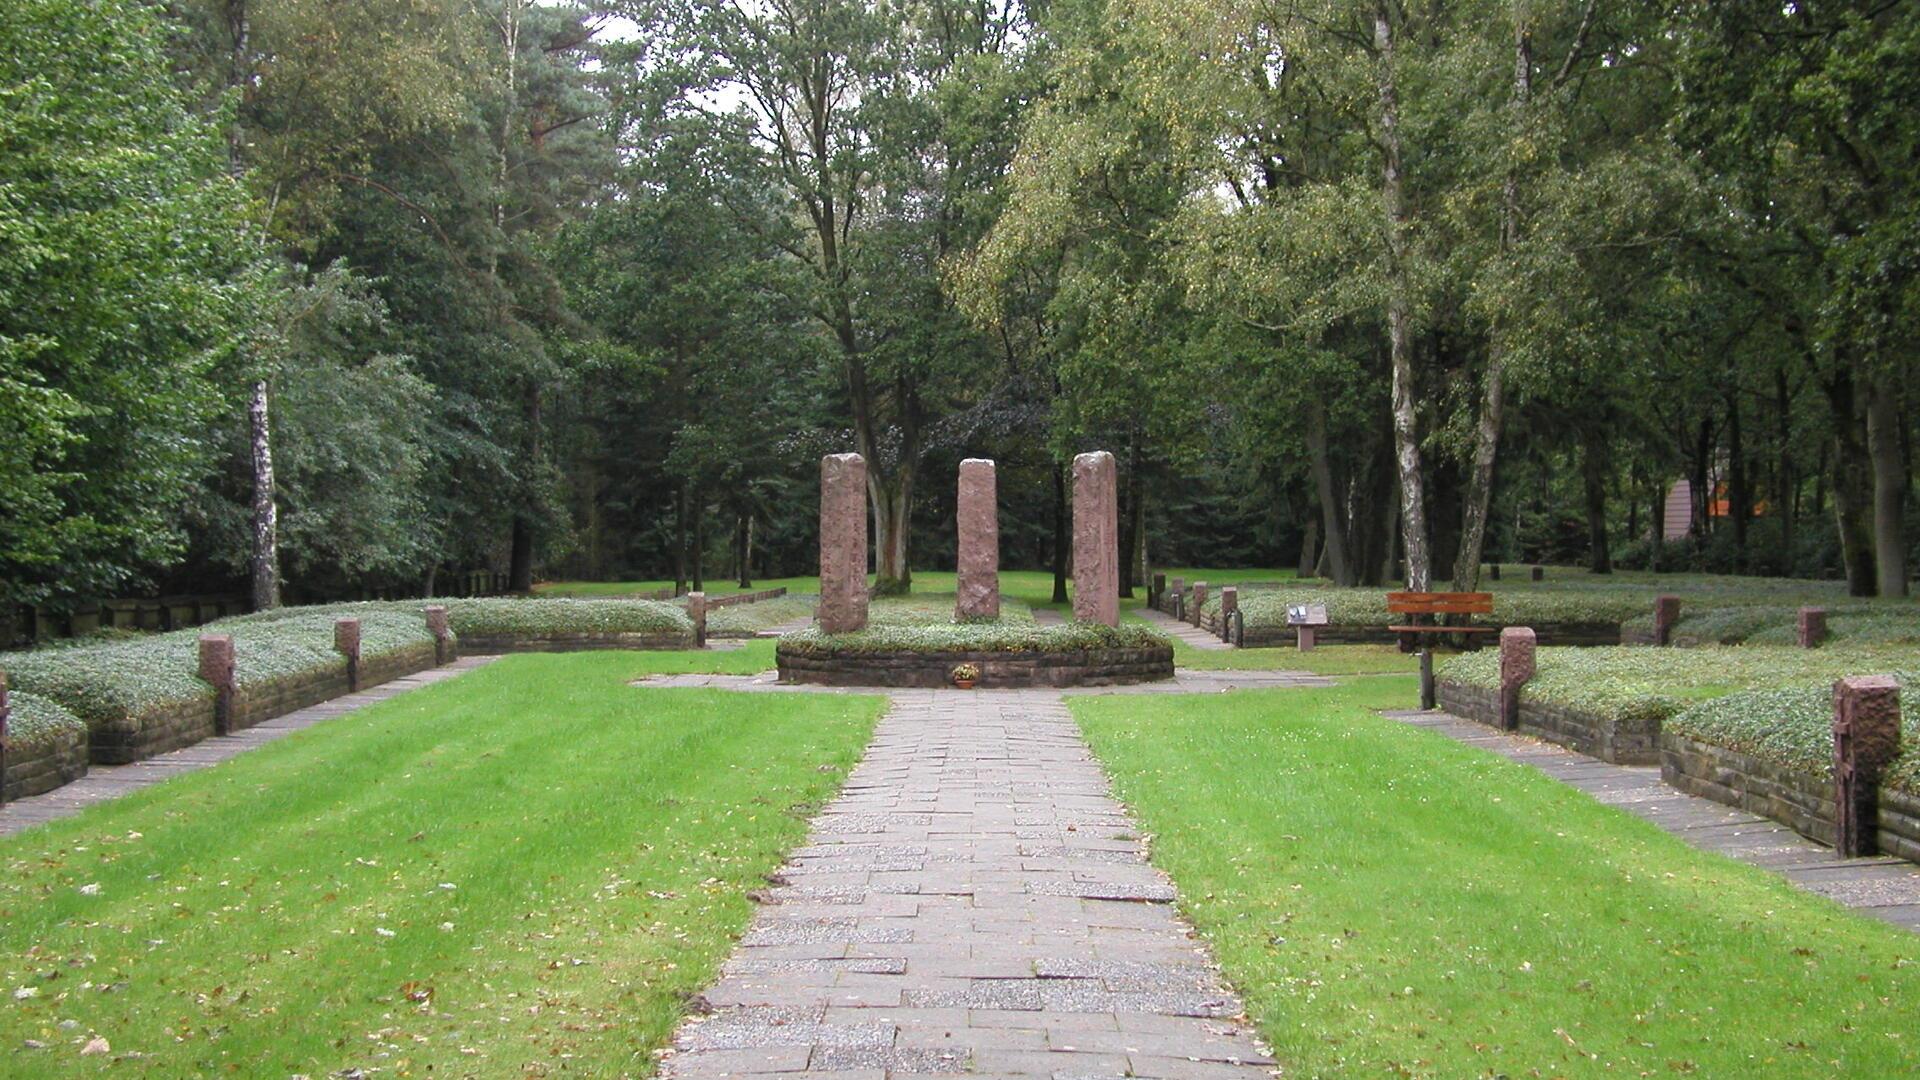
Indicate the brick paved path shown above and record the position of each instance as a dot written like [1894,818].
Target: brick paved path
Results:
[974,902]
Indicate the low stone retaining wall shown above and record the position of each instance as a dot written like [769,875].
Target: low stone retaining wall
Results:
[1624,742]
[487,644]
[745,598]
[1801,800]
[264,701]
[38,769]
[1258,636]
[1084,667]
[183,723]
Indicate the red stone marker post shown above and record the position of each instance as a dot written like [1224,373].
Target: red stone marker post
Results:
[1096,539]
[346,642]
[442,632]
[1229,603]
[1539,573]
[216,668]
[1179,596]
[977,592]
[1493,571]
[1866,736]
[1517,647]
[1199,601]
[1666,612]
[1159,590]
[1812,627]
[697,611]
[843,543]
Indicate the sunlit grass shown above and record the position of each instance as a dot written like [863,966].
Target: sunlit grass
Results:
[1393,903]
[534,862]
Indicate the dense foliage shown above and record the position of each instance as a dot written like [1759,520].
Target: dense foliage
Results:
[346,299]
[1791,726]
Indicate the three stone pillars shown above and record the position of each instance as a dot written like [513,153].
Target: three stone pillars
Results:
[843,543]
[978,589]
[1096,539]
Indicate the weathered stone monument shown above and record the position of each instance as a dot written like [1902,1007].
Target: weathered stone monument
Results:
[843,543]
[1866,737]
[1517,647]
[1666,613]
[346,642]
[216,669]
[697,611]
[1096,539]
[442,632]
[1812,627]
[978,517]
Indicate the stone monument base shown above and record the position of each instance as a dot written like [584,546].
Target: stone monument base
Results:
[998,670]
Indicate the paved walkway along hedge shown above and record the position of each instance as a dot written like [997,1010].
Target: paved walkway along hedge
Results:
[974,901]
[110,782]
[1886,888]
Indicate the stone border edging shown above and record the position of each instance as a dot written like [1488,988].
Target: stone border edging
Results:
[1628,742]
[1801,800]
[1030,668]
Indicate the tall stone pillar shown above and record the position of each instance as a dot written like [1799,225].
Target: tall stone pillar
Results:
[1517,649]
[979,563]
[1096,539]
[843,543]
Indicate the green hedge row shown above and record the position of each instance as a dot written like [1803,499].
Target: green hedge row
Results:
[1637,682]
[1368,607]
[510,616]
[1857,622]
[36,721]
[118,680]
[1793,726]
[975,637]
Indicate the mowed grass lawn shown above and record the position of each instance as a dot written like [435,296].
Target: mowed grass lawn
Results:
[1393,903]
[523,871]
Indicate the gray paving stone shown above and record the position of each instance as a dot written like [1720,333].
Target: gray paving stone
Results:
[1020,910]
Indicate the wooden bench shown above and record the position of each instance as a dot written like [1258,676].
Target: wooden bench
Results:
[1428,606]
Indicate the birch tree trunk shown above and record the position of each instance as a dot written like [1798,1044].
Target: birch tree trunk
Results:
[1493,392]
[1406,434]
[266,517]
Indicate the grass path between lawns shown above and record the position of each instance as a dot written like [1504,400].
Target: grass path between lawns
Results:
[1392,903]
[522,871]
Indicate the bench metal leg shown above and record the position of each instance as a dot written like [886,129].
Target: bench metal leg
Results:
[1427,700]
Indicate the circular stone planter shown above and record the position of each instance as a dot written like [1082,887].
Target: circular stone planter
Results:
[900,668]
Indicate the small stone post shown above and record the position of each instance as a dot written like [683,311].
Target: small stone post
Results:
[1199,602]
[1666,612]
[697,611]
[1812,627]
[1179,592]
[843,543]
[346,642]
[1517,645]
[1229,603]
[978,586]
[1539,573]
[1493,571]
[216,667]
[6,714]
[1159,590]
[1096,539]
[441,631]
[1866,736]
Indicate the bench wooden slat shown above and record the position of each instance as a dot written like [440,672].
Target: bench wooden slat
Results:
[1412,603]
